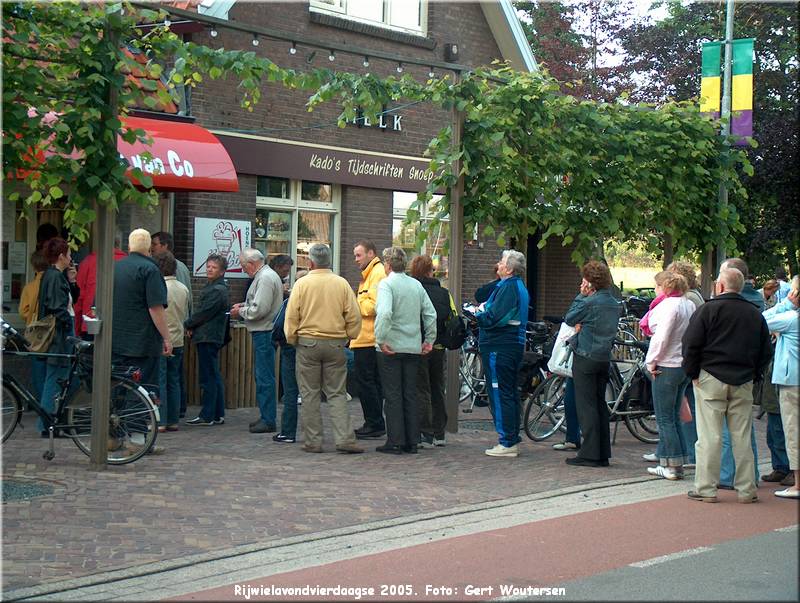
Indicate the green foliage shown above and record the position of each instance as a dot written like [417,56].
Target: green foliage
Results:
[533,159]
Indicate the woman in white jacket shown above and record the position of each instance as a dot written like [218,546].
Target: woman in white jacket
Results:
[784,320]
[668,321]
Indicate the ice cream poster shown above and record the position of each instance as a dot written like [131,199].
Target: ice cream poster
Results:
[227,238]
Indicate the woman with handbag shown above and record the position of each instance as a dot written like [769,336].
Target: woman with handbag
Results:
[595,314]
[55,302]
[668,322]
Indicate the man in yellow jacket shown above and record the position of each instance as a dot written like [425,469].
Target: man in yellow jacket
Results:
[363,347]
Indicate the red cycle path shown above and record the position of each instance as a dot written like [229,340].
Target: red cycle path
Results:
[544,553]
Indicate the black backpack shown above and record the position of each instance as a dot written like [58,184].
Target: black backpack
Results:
[455,332]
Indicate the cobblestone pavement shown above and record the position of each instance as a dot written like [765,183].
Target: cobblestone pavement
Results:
[220,487]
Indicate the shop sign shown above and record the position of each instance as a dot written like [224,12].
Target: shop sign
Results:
[227,238]
[278,159]
[386,121]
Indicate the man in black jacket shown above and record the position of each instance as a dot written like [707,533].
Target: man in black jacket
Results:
[207,328]
[725,348]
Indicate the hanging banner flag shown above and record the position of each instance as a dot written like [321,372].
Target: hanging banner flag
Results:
[710,83]
[742,90]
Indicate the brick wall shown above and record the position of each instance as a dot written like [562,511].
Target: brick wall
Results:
[366,214]
[558,279]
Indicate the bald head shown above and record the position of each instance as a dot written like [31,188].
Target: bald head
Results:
[739,264]
[730,280]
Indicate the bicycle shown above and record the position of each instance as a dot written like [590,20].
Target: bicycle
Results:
[133,414]
[544,411]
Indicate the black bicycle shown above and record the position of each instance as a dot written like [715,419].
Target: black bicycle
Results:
[133,411]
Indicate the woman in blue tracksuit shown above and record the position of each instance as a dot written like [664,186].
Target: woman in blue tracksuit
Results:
[502,319]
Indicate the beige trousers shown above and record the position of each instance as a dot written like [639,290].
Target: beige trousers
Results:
[716,401]
[789,396]
[322,367]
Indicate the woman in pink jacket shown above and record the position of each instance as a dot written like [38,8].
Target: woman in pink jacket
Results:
[668,321]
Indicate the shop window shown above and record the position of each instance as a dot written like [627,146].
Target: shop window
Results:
[277,188]
[404,15]
[405,235]
[294,217]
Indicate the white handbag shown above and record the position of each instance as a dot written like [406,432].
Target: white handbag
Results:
[560,361]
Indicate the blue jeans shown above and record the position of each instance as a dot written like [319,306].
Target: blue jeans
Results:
[265,375]
[210,382]
[776,441]
[668,388]
[170,368]
[502,368]
[727,467]
[571,413]
[51,389]
[690,429]
[38,375]
[290,391]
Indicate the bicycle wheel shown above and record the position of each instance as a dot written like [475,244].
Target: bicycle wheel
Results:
[641,422]
[12,411]
[132,422]
[544,409]
[473,383]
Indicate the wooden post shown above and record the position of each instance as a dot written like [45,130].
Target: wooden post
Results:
[455,266]
[104,302]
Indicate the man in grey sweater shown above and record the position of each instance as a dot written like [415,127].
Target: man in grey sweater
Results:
[264,298]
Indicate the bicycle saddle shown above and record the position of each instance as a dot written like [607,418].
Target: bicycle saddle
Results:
[79,344]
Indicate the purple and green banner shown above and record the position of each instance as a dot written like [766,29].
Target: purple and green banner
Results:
[742,90]
[741,85]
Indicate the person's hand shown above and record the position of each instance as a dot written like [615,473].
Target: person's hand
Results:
[189,333]
[696,382]
[167,351]
[653,369]
[235,310]
[587,288]
[794,297]
[386,349]
[72,274]
[426,348]
[578,328]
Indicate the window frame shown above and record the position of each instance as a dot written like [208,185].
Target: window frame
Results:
[295,204]
[340,9]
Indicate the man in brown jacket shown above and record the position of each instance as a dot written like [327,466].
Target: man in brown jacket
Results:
[322,314]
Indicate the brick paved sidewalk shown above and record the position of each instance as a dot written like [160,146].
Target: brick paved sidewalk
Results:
[220,487]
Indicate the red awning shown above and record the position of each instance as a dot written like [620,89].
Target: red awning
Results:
[186,157]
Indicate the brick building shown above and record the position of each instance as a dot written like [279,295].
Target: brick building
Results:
[303,180]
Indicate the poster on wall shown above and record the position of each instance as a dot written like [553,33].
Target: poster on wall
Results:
[227,238]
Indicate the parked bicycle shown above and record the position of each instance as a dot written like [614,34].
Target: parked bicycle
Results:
[133,412]
[628,395]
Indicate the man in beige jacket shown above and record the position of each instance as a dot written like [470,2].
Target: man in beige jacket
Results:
[322,314]
[365,355]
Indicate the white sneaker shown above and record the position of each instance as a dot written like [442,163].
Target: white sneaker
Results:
[650,458]
[665,472]
[349,397]
[689,466]
[439,443]
[501,450]
[565,446]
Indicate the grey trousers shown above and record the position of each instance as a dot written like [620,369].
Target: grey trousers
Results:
[322,367]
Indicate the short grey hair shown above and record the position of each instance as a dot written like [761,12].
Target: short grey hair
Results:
[252,255]
[732,279]
[320,254]
[396,258]
[515,262]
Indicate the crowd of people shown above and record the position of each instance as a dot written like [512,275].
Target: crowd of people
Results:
[707,359]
